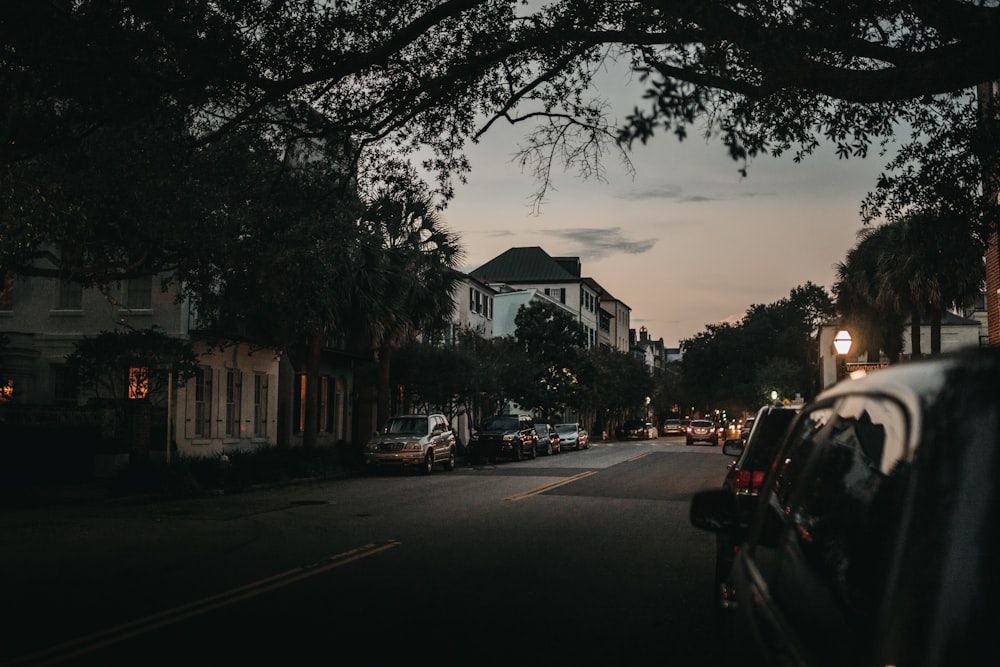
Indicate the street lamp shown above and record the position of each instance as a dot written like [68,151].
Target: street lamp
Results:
[842,344]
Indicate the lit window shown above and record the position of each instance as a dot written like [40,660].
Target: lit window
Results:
[6,391]
[138,382]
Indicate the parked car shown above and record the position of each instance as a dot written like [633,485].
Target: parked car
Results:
[702,430]
[573,436]
[511,435]
[746,428]
[413,441]
[651,432]
[673,427]
[549,442]
[636,429]
[875,534]
[743,479]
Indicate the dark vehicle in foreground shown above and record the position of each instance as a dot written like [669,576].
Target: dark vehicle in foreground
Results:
[702,430]
[875,534]
[573,436]
[744,477]
[413,441]
[548,440]
[511,436]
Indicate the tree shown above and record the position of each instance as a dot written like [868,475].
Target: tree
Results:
[422,78]
[552,341]
[875,329]
[413,280]
[904,268]
[773,346]
[131,364]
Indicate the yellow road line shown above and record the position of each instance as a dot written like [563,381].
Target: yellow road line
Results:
[549,487]
[89,643]
[637,457]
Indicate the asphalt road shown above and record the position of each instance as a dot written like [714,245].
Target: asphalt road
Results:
[582,558]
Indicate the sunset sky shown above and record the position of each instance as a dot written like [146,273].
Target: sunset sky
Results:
[685,242]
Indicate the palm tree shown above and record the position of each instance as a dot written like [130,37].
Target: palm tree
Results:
[876,329]
[952,261]
[414,278]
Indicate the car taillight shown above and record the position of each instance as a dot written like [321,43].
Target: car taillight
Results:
[748,480]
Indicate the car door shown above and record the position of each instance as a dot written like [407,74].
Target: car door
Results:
[835,489]
[439,431]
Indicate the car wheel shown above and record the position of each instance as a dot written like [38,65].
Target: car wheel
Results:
[533,453]
[450,463]
[548,450]
[516,452]
[428,462]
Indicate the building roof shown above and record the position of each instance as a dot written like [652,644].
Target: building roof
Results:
[526,265]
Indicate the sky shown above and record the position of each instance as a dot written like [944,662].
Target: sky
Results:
[686,240]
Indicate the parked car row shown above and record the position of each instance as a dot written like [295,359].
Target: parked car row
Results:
[865,531]
[516,437]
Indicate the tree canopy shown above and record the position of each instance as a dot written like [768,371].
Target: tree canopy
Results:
[113,104]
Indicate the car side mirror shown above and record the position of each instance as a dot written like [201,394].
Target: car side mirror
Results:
[715,510]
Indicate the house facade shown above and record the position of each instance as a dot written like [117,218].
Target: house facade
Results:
[559,279]
[243,396]
[957,333]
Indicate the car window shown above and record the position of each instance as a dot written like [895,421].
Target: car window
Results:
[766,439]
[407,426]
[500,423]
[846,513]
[698,423]
[565,428]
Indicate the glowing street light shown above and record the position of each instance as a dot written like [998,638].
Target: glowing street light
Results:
[842,342]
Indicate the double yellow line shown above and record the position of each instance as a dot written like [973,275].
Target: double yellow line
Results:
[107,637]
[549,487]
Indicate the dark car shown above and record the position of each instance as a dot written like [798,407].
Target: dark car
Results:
[548,439]
[744,477]
[875,534]
[702,430]
[635,429]
[512,436]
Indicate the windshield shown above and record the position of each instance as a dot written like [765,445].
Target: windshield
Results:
[406,426]
[500,424]
[566,428]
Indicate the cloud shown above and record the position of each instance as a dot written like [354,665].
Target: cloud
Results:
[598,242]
[662,192]
[676,193]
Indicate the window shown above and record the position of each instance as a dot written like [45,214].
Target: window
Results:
[233,379]
[139,293]
[300,403]
[260,404]
[324,406]
[6,291]
[70,296]
[138,382]
[64,384]
[203,402]
[840,484]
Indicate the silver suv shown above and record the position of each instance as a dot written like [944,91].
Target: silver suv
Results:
[423,441]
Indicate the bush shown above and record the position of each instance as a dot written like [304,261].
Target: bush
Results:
[190,476]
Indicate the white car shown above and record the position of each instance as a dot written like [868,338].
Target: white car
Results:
[572,436]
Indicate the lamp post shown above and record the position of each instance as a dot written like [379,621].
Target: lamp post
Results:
[842,344]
